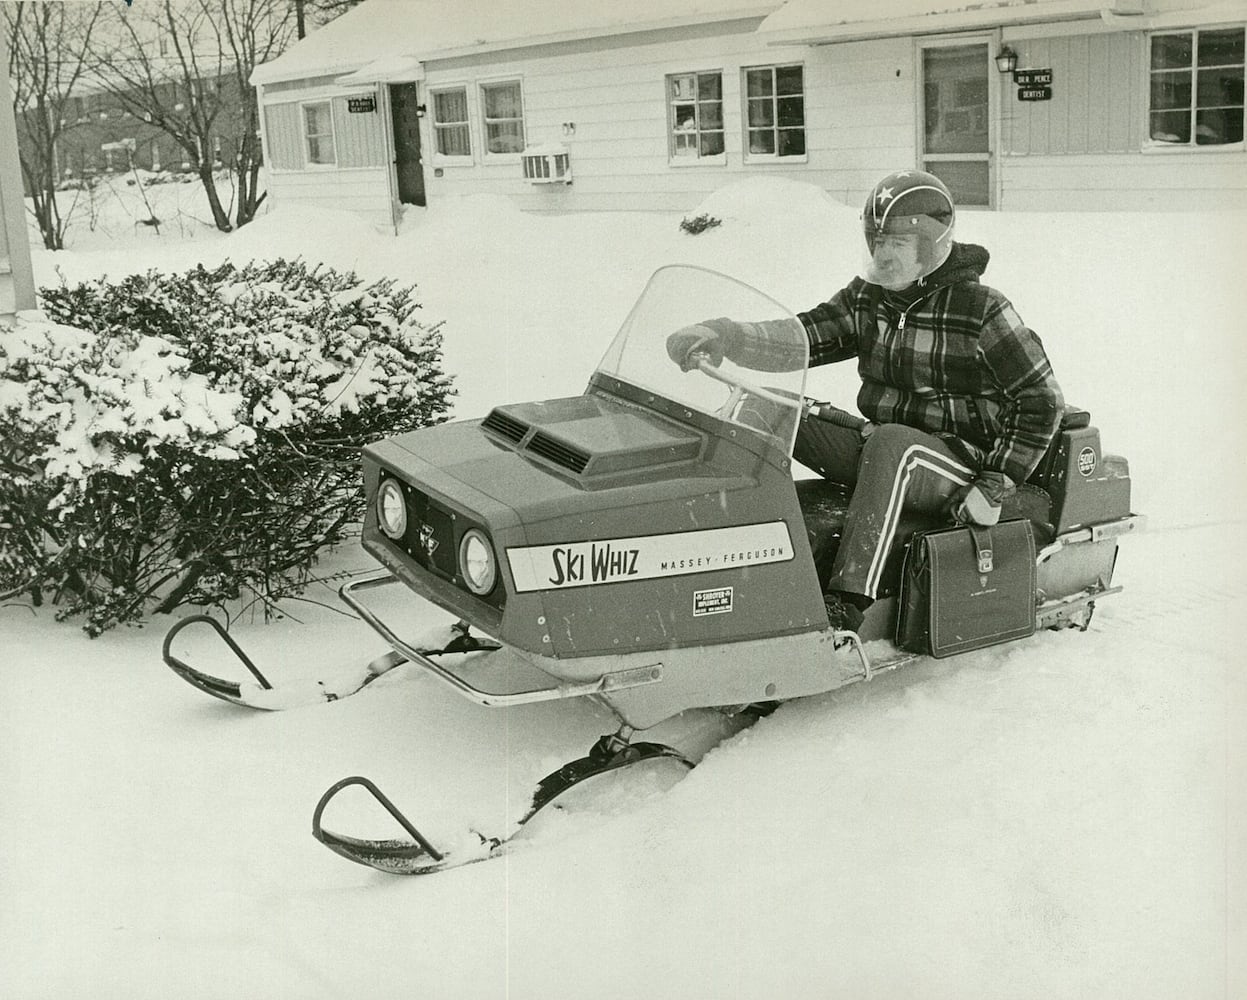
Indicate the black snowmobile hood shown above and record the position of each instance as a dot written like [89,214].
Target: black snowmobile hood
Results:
[966,262]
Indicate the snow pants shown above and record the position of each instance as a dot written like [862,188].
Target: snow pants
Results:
[902,478]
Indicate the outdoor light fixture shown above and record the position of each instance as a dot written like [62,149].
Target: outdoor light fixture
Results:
[1006,60]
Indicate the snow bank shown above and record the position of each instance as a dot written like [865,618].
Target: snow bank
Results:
[335,237]
[766,200]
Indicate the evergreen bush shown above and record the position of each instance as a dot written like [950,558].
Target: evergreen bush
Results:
[194,438]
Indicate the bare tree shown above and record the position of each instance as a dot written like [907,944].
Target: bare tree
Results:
[44,74]
[254,34]
[185,66]
[321,11]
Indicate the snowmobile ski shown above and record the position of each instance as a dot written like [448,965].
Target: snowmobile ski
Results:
[417,856]
[342,682]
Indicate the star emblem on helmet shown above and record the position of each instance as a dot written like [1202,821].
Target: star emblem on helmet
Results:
[885,194]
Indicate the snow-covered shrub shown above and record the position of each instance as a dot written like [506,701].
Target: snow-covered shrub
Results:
[699,223]
[194,438]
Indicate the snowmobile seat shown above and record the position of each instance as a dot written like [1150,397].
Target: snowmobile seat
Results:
[1085,485]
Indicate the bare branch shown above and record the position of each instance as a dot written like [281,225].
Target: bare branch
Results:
[44,80]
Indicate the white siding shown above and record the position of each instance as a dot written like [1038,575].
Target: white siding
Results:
[605,101]
[357,182]
[1159,181]
[283,134]
[1099,97]
[359,137]
[1084,150]
[364,191]
[859,108]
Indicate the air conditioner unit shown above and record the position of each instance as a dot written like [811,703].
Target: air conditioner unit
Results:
[547,165]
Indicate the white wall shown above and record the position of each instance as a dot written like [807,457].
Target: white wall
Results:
[1080,151]
[364,191]
[1086,148]
[1154,181]
[859,122]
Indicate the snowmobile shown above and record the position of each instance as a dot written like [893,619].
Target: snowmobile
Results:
[646,544]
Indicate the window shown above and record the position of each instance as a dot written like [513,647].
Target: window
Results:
[1197,88]
[503,107]
[118,155]
[775,110]
[696,115]
[318,133]
[450,122]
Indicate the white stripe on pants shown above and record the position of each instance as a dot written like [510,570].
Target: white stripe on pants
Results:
[903,471]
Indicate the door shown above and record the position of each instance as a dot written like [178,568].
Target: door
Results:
[956,134]
[405,113]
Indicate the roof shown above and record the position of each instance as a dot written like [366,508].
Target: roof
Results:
[389,39]
[816,21]
[399,33]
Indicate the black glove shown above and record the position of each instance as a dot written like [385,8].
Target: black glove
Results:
[980,501]
[710,337]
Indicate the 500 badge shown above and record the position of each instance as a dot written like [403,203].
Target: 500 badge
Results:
[645,557]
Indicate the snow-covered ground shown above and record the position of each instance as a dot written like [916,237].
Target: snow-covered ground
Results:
[1062,817]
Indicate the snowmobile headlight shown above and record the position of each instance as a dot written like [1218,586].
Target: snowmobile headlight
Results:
[392,508]
[476,562]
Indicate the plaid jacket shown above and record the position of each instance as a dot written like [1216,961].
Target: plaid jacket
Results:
[954,360]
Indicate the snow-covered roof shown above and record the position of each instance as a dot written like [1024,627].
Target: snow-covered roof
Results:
[383,31]
[814,21]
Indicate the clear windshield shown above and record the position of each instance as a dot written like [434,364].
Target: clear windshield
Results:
[680,296]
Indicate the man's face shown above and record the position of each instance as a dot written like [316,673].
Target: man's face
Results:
[894,260]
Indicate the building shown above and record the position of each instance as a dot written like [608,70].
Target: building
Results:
[138,64]
[17,283]
[103,136]
[563,106]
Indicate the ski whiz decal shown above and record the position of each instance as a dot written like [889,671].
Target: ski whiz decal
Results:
[645,557]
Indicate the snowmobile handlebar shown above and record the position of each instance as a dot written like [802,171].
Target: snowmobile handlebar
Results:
[706,367]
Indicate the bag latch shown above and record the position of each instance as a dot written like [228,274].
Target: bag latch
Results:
[982,547]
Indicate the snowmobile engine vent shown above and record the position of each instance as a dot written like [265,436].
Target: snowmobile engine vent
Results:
[558,452]
[505,425]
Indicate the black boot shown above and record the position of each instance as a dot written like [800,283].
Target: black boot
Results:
[845,611]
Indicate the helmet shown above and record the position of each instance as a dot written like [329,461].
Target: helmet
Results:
[913,203]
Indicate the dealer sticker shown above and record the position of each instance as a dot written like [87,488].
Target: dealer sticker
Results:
[647,557]
[712,602]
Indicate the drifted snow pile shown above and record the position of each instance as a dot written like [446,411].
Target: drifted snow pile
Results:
[195,436]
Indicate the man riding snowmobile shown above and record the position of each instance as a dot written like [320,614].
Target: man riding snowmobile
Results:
[959,397]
